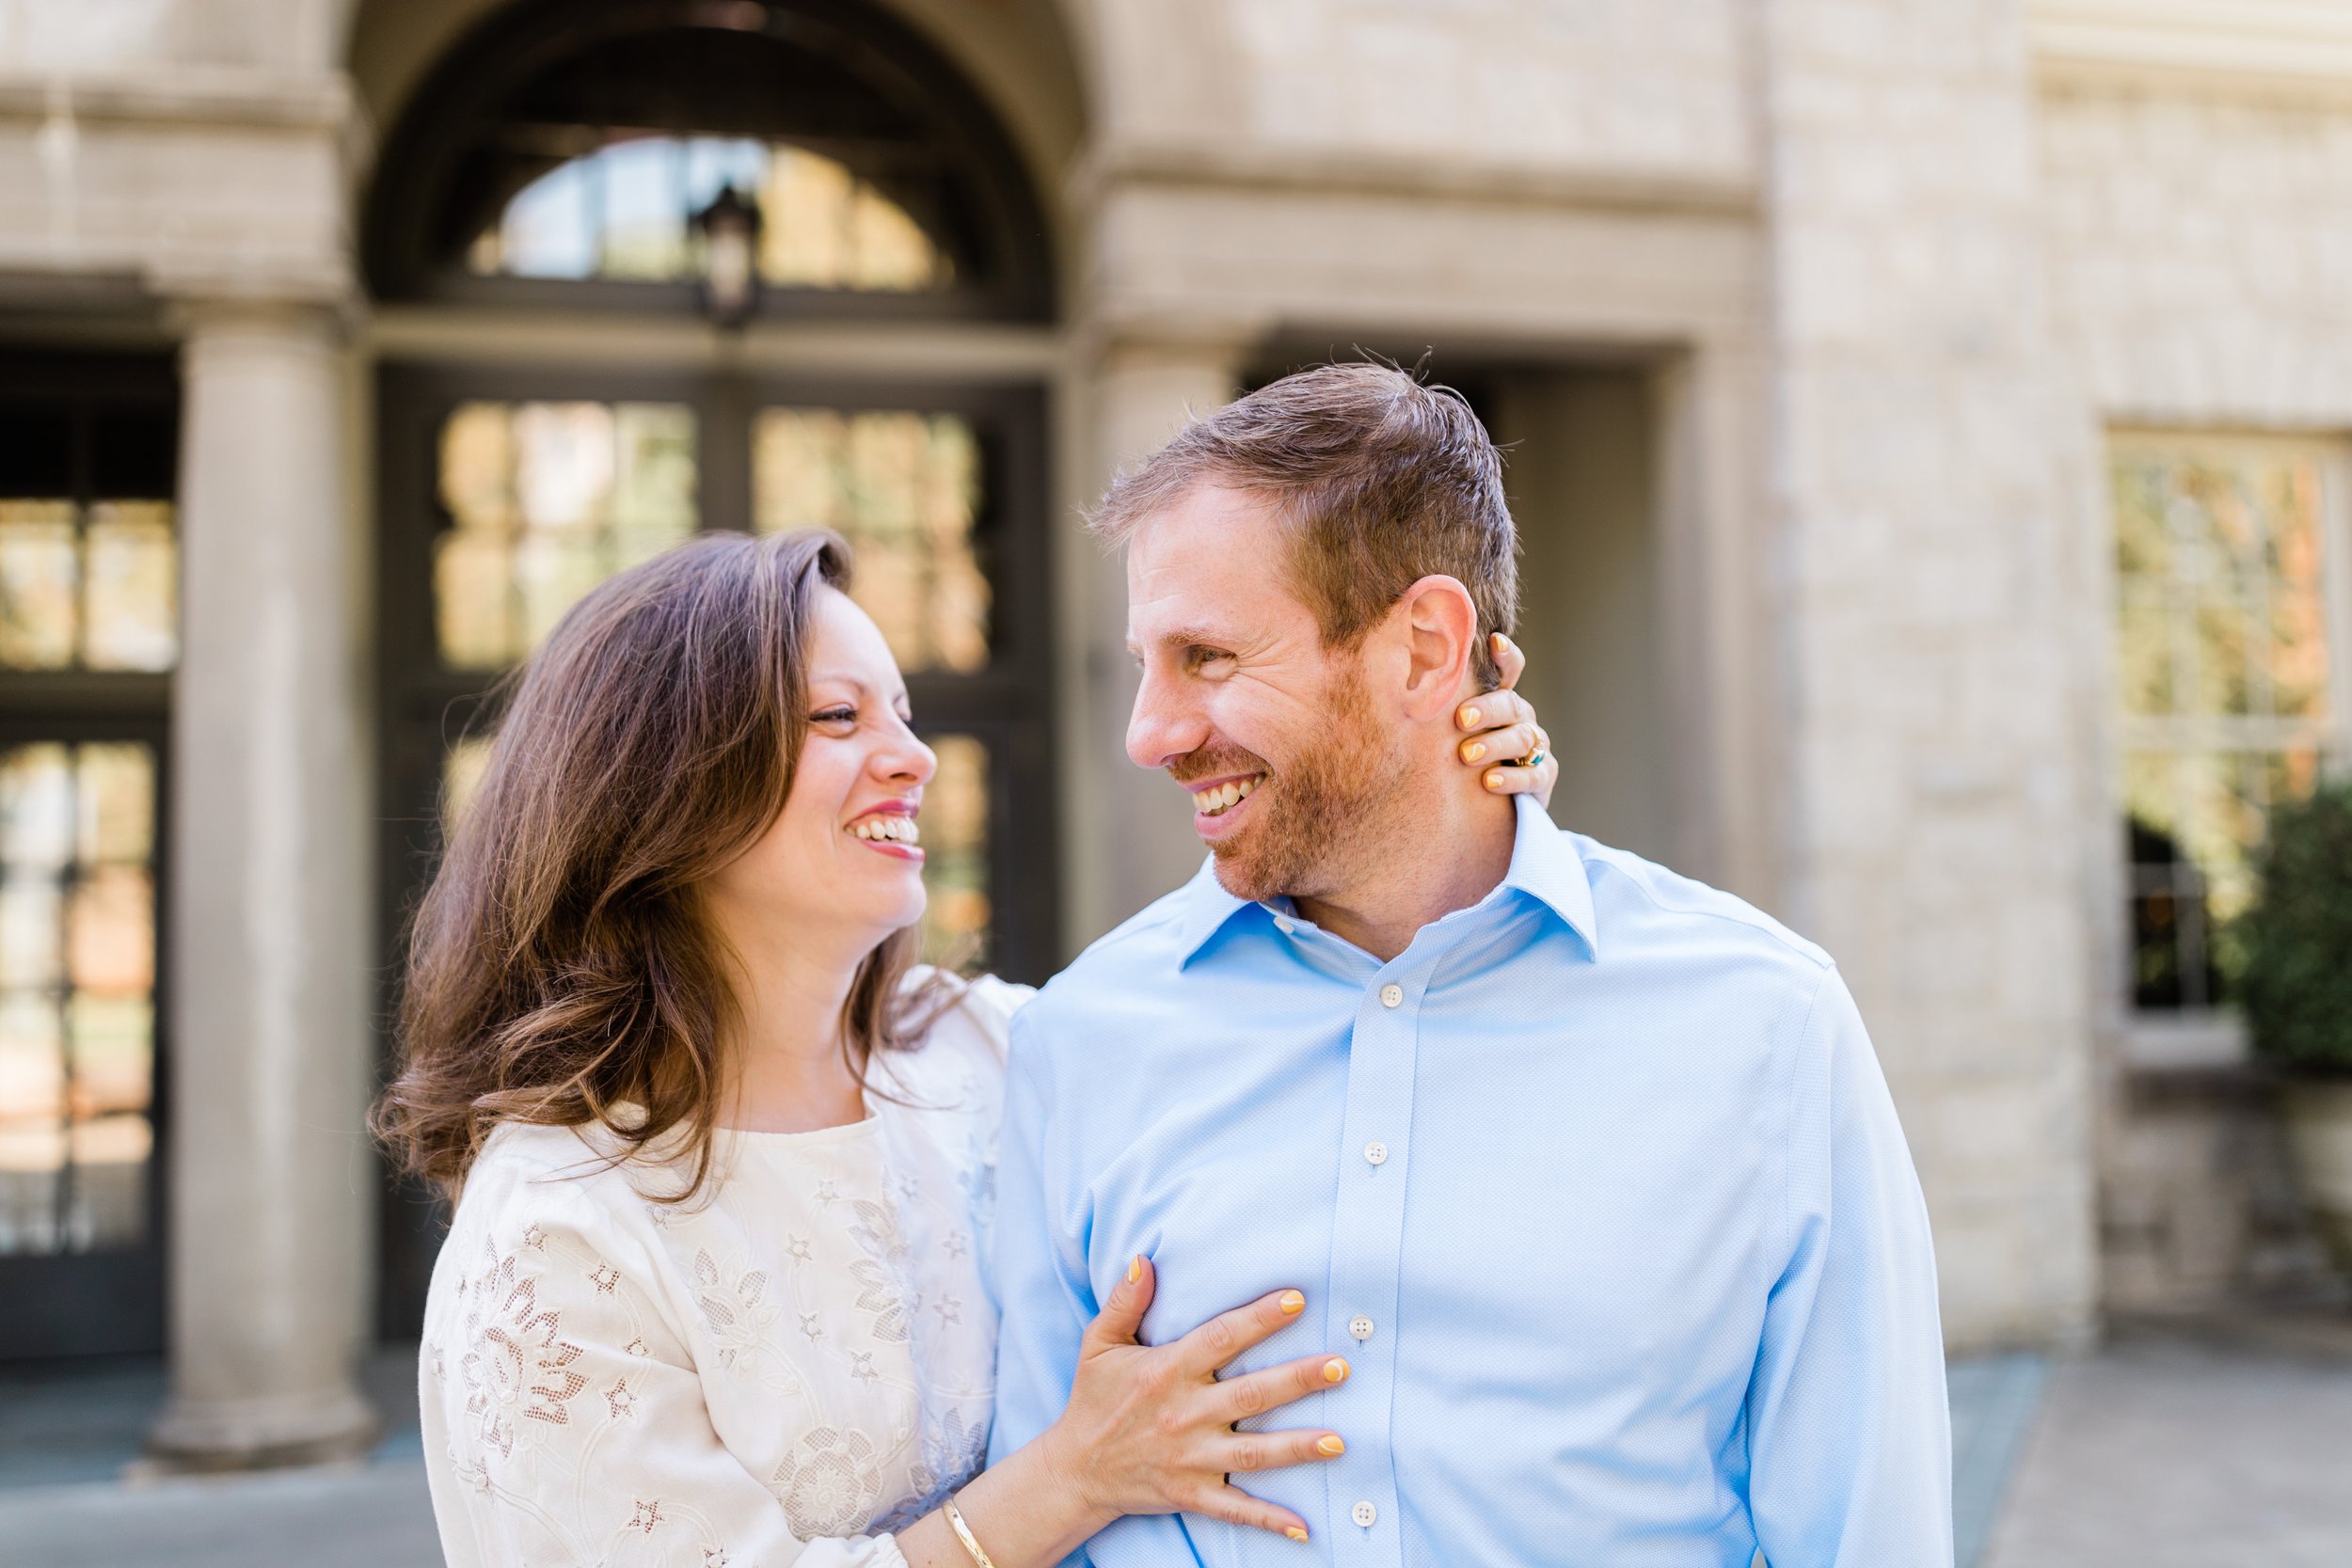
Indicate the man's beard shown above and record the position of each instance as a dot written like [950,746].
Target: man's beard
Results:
[1314,810]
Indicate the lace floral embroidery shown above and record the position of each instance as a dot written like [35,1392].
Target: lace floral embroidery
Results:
[517,1368]
[746,1318]
[735,1304]
[831,1489]
[952,1454]
[877,1230]
[881,1292]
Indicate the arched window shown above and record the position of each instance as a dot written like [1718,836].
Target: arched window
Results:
[551,192]
[566,154]
[632,209]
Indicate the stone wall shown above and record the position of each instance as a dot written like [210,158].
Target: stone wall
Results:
[1927,488]
[176,149]
[1625,85]
[2200,246]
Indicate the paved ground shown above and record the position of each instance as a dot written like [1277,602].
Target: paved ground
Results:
[67,1440]
[2172,1446]
[2173,1449]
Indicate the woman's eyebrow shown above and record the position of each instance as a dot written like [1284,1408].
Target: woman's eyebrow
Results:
[855,683]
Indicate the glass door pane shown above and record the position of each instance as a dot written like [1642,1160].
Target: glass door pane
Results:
[904,489]
[548,500]
[958,919]
[89,587]
[77,987]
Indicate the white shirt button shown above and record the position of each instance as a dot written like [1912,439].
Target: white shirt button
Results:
[1360,1327]
[1376,1154]
[1364,1514]
[1284,926]
[1389,996]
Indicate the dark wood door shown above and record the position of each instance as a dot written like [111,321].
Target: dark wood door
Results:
[88,635]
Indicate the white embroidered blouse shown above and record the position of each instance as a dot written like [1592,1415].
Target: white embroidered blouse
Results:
[785,1372]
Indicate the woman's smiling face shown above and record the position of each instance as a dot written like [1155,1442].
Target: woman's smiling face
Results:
[842,857]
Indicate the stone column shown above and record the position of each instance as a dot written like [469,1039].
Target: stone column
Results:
[1931,493]
[1131,836]
[273,1186]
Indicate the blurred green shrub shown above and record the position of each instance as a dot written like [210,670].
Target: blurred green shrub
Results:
[2296,938]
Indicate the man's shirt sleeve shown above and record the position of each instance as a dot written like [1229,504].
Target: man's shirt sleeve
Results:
[1043,1294]
[1850,1434]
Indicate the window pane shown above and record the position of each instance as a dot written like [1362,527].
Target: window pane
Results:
[461,775]
[548,231]
[563,463]
[116,815]
[131,620]
[956,922]
[553,572]
[653,487]
[547,501]
[35,448]
[2144,650]
[78,975]
[473,596]
[627,210]
[642,206]
[39,585]
[904,489]
[134,451]
[2297,639]
[37,817]
[2196,823]
[98,589]
[2218,584]
[33,1121]
[110,930]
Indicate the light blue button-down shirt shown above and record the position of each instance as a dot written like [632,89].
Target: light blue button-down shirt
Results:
[1597,1185]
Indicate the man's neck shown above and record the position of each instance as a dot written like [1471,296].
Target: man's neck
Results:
[1441,851]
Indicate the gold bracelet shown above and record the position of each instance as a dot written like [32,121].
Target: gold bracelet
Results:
[963,1533]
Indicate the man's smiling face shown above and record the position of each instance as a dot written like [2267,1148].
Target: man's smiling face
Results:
[1276,735]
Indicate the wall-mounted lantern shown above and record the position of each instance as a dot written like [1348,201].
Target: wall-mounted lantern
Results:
[729,227]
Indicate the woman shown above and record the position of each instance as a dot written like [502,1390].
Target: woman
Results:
[721,1151]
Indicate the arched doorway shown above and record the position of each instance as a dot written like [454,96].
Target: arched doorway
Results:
[668,265]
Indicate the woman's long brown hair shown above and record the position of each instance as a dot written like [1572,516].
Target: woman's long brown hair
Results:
[561,970]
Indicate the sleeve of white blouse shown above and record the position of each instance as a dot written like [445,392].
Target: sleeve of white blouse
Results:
[565,1424]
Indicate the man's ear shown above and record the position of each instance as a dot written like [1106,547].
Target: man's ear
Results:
[1438,622]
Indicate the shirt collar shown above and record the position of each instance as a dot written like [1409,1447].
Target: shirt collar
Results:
[1207,907]
[1544,866]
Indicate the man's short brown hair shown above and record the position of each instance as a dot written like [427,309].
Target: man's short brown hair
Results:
[1381,480]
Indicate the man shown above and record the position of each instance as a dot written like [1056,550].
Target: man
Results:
[1589,1171]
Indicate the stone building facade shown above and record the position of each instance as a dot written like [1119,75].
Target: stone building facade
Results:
[1818,326]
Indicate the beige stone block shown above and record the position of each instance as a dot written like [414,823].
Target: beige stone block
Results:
[1525,274]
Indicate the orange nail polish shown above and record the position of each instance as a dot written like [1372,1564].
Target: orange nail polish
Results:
[1134,1268]
[1292,1303]
[1472,752]
[1331,1444]
[1335,1370]
[1296,1533]
[1470,718]
[1494,778]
